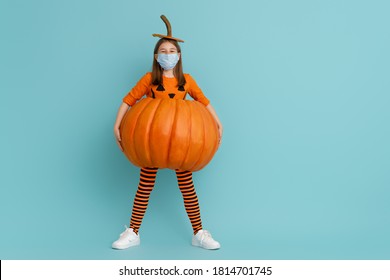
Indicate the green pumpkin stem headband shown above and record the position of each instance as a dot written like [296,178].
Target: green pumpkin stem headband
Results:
[169,31]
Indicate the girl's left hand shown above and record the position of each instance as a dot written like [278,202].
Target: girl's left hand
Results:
[220,130]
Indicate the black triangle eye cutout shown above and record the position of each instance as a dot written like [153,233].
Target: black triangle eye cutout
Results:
[153,96]
[171,95]
[181,88]
[160,88]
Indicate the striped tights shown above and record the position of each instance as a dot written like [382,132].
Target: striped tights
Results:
[145,187]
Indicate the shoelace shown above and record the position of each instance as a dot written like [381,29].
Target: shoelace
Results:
[205,235]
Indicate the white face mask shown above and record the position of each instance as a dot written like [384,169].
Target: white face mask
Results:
[167,61]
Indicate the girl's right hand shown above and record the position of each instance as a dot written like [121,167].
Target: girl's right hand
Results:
[118,139]
[121,112]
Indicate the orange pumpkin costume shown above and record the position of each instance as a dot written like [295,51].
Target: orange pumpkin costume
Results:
[165,131]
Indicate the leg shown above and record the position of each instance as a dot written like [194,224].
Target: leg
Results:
[190,198]
[130,236]
[202,238]
[141,200]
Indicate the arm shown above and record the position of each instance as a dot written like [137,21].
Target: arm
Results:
[139,90]
[197,94]
[219,124]
[121,112]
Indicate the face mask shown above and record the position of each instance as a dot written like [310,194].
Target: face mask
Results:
[167,61]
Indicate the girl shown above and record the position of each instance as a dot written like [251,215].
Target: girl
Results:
[165,81]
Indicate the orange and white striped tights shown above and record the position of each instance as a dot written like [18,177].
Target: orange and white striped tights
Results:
[145,187]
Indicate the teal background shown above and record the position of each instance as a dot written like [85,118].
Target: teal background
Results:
[301,87]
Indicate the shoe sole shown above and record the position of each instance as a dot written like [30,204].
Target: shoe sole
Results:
[125,247]
[207,248]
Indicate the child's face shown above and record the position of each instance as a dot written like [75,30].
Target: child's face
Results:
[167,48]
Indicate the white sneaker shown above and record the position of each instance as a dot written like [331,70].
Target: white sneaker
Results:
[204,239]
[127,239]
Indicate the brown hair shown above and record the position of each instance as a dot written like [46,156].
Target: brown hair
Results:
[157,70]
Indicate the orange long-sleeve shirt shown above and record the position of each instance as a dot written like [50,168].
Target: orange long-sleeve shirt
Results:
[168,89]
